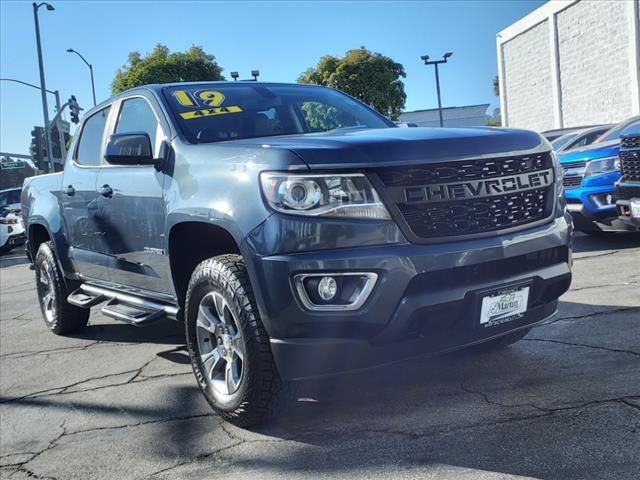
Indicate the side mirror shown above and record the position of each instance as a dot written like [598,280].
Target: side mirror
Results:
[130,149]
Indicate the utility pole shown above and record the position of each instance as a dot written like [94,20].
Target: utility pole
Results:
[435,63]
[43,88]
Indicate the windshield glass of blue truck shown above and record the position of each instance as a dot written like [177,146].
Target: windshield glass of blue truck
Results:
[215,113]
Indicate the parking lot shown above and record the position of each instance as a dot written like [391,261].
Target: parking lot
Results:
[121,402]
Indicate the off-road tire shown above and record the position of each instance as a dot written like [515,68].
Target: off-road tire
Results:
[257,397]
[63,318]
[502,342]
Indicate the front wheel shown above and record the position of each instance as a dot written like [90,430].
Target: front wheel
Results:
[228,345]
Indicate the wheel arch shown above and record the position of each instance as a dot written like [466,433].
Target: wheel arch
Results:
[189,243]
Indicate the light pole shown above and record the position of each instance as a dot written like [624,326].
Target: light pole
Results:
[435,63]
[63,148]
[43,88]
[93,87]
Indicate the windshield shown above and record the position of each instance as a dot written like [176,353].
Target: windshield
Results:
[624,128]
[561,141]
[219,112]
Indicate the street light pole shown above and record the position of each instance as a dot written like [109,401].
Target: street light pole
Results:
[435,63]
[43,88]
[93,87]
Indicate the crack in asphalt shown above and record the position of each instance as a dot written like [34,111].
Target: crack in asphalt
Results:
[136,378]
[587,315]
[21,467]
[546,412]
[583,345]
[595,255]
[590,287]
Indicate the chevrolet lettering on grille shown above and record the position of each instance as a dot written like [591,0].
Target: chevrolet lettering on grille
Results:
[479,188]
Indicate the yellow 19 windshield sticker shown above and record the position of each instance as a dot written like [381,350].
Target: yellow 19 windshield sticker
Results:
[211,99]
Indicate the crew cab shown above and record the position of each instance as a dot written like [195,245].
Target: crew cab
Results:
[296,232]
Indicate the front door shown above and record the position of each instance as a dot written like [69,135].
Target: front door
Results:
[131,204]
[79,200]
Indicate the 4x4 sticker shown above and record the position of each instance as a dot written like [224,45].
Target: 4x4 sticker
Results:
[205,98]
[210,111]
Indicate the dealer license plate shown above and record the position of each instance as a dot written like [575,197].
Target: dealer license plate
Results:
[504,306]
[635,208]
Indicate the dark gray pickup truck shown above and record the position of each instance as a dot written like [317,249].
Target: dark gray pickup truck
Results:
[296,232]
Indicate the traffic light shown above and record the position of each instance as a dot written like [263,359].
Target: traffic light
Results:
[74,109]
[38,148]
[55,142]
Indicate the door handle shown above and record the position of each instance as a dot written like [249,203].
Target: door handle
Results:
[70,190]
[105,191]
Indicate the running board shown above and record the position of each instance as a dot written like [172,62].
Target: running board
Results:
[122,306]
[130,314]
[82,300]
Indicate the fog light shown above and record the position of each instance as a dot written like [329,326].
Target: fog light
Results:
[335,291]
[603,200]
[327,288]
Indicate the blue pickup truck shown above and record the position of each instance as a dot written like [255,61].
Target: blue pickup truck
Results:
[590,175]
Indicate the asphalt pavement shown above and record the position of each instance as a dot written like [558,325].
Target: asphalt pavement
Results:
[119,402]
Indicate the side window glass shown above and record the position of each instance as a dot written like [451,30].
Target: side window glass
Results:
[136,115]
[89,150]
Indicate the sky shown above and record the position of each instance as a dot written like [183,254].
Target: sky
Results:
[281,39]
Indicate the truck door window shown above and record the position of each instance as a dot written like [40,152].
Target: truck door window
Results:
[89,150]
[136,115]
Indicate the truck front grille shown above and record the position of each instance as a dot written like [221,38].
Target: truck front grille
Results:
[630,158]
[433,219]
[631,141]
[571,182]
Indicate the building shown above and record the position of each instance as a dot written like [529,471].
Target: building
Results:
[468,116]
[571,63]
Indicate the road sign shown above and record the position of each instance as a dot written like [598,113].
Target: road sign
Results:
[65,127]
[11,165]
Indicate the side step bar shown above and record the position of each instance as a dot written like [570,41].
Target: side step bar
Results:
[122,306]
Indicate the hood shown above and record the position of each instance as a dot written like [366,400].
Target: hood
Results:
[390,146]
[591,152]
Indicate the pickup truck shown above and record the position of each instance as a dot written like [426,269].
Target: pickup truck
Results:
[628,188]
[590,176]
[296,232]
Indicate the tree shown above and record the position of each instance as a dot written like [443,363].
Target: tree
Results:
[368,76]
[161,66]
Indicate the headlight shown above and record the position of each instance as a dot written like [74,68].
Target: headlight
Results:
[349,195]
[603,165]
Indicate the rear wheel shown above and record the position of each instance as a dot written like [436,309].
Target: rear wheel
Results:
[228,345]
[60,316]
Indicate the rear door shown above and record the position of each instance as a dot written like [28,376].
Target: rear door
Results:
[83,225]
[134,211]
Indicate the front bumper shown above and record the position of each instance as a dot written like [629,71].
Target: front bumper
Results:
[425,300]
[625,192]
[587,214]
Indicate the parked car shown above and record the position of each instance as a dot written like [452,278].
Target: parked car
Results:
[590,174]
[579,138]
[297,233]
[11,230]
[10,199]
[551,135]
[628,188]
